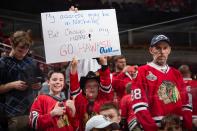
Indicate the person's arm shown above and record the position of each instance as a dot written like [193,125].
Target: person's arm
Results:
[140,103]
[5,88]
[18,85]
[127,115]
[118,82]
[37,119]
[104,72]
[74,82]
[131,119]
[124,113]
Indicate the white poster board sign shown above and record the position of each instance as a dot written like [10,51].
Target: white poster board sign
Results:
[83,34]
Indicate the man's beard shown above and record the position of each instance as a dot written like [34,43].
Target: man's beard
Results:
[120,68]
[161,62]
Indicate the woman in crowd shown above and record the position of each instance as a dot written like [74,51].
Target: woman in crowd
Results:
[50,112]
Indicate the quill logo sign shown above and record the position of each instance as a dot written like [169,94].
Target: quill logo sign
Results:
[107,50]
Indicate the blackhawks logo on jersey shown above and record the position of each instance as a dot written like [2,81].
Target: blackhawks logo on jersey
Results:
[168,92]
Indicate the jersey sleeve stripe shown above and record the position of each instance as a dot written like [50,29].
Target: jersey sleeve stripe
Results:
[34,125]
[194,116]
[140,103]
[76,92]
[106,89]
[35,116]
[132,124]
[187,107]
[139,107]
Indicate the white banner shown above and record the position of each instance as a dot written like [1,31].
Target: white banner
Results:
[83,34]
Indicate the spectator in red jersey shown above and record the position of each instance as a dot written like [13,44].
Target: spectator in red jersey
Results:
[123,75]
[119,63]
[92,91]
[117,81]
[159,90]
[191,86]
[51,112]
[128,118]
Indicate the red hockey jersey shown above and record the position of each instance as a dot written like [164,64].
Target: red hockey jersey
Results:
[127,112]
[84,108]
[41,120]
[157,93]
[119,82]
[191,86]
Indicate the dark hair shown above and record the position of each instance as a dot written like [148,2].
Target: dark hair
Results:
[171,119]
[51,72]
[116,58]
[108,106]
[21,37]
[184,69]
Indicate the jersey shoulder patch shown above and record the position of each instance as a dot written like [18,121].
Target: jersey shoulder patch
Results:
[151,76]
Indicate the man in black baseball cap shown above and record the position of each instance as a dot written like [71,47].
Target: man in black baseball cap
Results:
[160,49]
[158,38]
[158,89]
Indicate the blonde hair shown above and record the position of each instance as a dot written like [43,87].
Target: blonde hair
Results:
[22,37]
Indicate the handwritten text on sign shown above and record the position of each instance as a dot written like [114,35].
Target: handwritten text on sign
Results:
[84,34]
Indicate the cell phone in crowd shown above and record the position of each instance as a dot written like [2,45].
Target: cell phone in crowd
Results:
[34,80]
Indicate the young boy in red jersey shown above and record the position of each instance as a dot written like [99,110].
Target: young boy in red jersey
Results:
[50,112]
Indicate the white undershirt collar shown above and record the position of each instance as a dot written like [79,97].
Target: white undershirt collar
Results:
[187,79]
[163,69]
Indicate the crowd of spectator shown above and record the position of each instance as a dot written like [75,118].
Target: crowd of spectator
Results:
[150,5]
[110,95]
[100,94]
[169,5]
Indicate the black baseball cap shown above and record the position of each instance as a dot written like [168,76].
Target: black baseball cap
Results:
[157,38]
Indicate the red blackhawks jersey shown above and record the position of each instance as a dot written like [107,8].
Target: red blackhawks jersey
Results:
[158,92]
[119,82]
[191,86]
[127,112]
[41,120]
[84,108]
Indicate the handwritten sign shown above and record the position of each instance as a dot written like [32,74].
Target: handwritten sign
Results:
[84,34]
